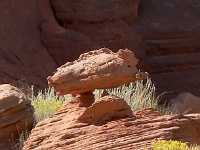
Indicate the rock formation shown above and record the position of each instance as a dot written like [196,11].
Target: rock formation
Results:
[16,115]
[98,69]
[112,127]
[109,122]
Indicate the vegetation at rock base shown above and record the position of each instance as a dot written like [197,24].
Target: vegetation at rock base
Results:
[47,103]
[139,95]
[171,145]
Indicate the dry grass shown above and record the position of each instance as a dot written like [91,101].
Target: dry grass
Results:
[139,95]
[45,104]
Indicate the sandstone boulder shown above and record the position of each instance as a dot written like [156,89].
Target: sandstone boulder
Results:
[98,69]
[16,115]
[74,128]
[186,103]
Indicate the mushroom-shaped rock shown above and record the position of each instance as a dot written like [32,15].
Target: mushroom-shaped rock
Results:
[113,108]
[97,69]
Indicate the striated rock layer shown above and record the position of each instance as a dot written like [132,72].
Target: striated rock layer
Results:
[94,127]
[16,115]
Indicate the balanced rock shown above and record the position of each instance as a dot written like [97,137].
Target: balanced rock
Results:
[113,108]
[16,115]
[98,69]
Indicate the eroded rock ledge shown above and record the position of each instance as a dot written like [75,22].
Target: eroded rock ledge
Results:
[70,128]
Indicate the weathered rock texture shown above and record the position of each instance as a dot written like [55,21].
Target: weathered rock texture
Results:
[186,103]
[98,69]
[16,115]
[74,128]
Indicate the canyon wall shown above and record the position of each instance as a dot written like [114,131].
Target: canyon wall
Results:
[38,36]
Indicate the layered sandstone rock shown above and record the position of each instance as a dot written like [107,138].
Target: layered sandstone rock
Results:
[98,69]
[16,115]
[107,124]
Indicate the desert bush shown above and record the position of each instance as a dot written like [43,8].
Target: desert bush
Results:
[46,103]
[171,145]
[139,95]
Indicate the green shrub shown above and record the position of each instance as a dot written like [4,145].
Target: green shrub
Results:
[139,95]
[46,103]
[171,145]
